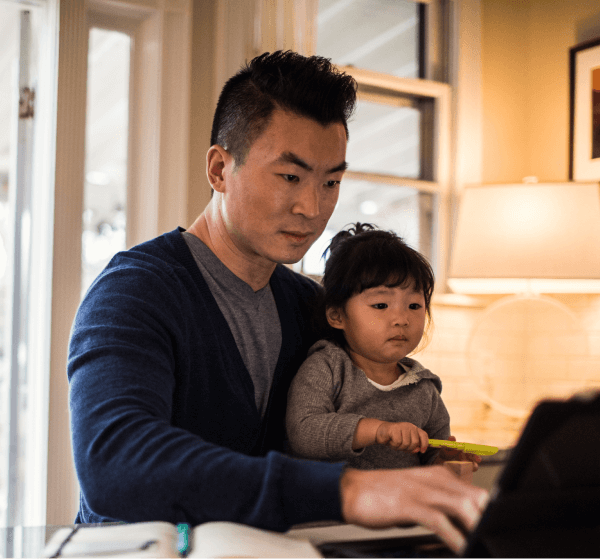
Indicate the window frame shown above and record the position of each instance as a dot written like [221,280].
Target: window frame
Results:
[439,185]
[437,41]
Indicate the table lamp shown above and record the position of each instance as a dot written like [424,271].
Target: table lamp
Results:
[526,240]
[516,238]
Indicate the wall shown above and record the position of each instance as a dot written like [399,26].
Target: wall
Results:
[525,131]
[525,84]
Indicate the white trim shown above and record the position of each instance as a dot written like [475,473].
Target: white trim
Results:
[34,505]
[423,186]
[62,488]
[412,86]
[18,280]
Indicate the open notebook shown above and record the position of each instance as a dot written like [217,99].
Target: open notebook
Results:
[546,503]
[212,539]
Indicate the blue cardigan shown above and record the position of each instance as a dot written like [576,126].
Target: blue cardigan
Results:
[163,419]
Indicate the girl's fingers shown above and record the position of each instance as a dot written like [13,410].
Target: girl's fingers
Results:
[424,439]
[415,442]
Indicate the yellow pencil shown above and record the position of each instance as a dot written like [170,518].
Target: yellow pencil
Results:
[479,449]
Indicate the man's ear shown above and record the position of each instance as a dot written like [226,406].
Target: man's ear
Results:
[335,317]
[217,158]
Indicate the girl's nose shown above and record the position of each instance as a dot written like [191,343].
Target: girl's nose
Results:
[401,319]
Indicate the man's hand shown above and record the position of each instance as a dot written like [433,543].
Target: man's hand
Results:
[430,496]
[402,436]
[446,454]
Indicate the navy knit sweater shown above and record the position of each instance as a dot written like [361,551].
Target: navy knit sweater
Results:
[163,418]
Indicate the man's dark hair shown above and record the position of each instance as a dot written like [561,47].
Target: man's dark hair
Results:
[308,86]
[364,257]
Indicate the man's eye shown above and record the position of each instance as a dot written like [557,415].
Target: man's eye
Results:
[332,184]
[290,178]
[380,306]
[414,306]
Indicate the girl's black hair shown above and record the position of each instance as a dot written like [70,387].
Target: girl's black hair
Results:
[363,257]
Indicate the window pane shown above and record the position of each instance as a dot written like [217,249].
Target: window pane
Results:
[19,48]
[9,56]
[105,194]
[403,210]
[379,35]
[385,139]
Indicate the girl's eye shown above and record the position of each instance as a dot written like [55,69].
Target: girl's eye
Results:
[290,178]
[414,306]
[332,184]
[380,306]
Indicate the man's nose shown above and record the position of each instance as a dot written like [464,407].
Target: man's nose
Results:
[308,202]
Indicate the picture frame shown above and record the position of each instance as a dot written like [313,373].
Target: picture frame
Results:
[584,133]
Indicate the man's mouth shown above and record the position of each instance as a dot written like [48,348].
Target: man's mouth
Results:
[297,236]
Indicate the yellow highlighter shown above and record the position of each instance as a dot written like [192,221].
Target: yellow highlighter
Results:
[479,449]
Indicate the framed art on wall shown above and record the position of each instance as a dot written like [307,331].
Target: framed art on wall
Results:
[584,163]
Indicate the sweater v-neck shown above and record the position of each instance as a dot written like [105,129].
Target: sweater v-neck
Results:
[287,334]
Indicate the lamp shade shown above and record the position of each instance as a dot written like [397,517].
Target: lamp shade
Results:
[514,238]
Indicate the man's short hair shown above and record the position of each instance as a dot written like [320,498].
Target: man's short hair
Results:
[308,86]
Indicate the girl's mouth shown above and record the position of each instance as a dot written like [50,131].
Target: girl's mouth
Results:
[400,338]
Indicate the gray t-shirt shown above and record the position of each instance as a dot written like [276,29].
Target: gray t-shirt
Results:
[252,317]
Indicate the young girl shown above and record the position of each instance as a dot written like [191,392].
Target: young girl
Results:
[358,397]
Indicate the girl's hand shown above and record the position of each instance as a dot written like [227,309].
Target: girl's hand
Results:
[455,454]
[402,436]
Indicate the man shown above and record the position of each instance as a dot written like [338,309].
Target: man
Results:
[183,349]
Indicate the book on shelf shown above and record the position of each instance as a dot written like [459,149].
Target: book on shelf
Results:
[211,539]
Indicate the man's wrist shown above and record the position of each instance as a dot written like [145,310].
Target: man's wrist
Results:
[348,493]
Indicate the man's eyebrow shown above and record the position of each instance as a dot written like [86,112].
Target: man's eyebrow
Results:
[289,157]
[341,167]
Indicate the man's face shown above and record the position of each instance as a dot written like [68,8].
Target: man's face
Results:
[278,202]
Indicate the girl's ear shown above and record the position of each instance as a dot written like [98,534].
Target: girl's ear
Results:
[335,318]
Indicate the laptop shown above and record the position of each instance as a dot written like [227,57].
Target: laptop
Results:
[545,503]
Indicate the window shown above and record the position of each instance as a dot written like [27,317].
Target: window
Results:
[380,35]
[106,151]
[44,168]
[398,151]
[27,81]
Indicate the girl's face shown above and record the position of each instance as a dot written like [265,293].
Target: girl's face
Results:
[381,324]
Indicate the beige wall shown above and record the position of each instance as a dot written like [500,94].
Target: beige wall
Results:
[525,84]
